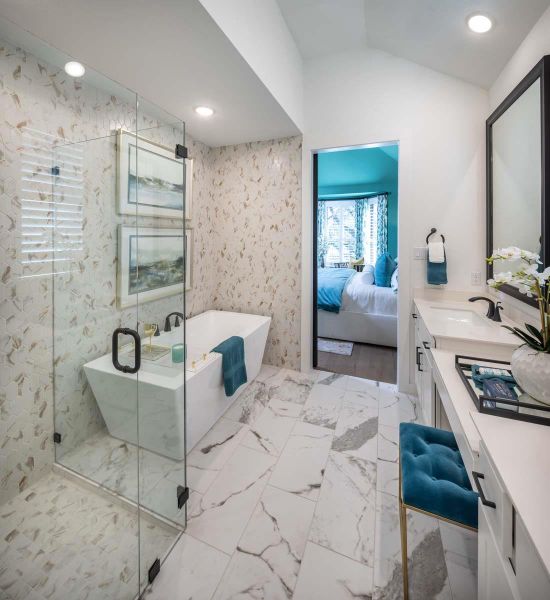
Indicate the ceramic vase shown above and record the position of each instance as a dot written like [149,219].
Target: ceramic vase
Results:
[531,369]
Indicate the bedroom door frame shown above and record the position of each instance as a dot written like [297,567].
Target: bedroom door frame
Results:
[315,340]
[315,211]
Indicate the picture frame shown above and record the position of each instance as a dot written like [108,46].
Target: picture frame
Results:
[150,261]
[159,174]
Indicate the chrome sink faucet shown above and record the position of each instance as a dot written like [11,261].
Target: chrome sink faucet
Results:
[493,312]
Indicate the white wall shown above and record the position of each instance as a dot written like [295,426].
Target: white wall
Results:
[259,32]
[370,96]
[531,50]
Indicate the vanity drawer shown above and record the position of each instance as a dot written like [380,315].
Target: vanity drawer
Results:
[493,498]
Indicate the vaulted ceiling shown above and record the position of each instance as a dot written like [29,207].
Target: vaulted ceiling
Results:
[432,33]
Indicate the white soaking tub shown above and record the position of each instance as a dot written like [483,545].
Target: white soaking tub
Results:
[160,384]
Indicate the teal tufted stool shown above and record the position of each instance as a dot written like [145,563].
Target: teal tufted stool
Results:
[432,480]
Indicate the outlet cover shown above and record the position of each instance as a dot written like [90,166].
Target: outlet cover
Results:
[475,277]
[420,253]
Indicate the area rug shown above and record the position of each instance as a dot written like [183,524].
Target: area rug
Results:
[335,346]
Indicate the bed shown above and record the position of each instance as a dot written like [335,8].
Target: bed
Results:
[364,313]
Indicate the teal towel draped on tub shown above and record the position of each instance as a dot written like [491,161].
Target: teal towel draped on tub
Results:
[233,366]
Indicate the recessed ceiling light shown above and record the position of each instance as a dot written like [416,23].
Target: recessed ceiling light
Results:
[74,69]
[204,111]
[480,23]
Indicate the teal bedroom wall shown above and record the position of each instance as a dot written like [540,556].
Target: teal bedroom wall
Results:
[363,171]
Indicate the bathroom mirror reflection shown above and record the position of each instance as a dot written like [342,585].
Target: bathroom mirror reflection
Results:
[516,182]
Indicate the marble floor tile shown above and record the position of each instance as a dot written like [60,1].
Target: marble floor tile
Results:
[267,372]
[269,554]
[302,463]
[192,571]
[364,398]
[335,380]
[462,576]
[323,406]
[365,386]
[388,477]
[271,430]
[208,457]
[224,510]
[291,386]
[356,433]
[428,577]
[459,540]
[396,407]
[346,511]
[250,404]
[388,443]
[326,575]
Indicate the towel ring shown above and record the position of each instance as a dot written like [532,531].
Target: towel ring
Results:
[432,231]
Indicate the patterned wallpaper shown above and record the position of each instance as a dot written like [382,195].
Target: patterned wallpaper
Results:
[257,190]
[246,253]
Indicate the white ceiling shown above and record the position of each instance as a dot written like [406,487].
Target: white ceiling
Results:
[170,52]
[432,33]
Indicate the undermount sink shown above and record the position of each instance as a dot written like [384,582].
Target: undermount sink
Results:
[459,315]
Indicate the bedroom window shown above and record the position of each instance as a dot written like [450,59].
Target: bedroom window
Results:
[340,231]
[349,231]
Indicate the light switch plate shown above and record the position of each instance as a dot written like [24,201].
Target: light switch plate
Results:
[476,277]
[420,253]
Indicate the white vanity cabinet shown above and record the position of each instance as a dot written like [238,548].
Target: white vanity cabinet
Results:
[423,372]
[509,567]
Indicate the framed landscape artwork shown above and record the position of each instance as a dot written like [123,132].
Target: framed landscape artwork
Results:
[151,182]
[151,263]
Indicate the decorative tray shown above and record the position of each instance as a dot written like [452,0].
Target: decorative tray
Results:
[522,408]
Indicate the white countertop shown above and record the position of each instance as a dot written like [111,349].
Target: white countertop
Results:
[441,324]
[521,454]
[463,404]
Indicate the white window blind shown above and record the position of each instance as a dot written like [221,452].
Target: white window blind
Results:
[51,204]
[340,231]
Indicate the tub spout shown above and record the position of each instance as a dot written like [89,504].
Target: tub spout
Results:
[167,326]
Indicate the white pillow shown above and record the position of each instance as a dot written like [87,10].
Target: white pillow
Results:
[395,279]
[367,275]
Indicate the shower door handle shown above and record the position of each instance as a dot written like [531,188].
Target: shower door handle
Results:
[137,351]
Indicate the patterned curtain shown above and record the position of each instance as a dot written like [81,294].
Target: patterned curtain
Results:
[382,225]
[359,227]
[322,244]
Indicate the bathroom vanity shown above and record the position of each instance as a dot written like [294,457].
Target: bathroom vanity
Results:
[513,457]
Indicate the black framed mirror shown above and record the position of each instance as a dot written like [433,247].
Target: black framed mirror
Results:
[518,172]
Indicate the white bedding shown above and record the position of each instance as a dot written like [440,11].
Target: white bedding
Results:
[359,297]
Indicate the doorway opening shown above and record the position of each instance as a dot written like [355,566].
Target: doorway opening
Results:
[355,261]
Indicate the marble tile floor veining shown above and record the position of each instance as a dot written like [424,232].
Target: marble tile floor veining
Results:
[294,495]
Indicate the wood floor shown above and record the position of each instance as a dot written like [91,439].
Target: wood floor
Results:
[378,363]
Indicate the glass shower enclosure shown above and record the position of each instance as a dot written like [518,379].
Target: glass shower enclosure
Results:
[104,222]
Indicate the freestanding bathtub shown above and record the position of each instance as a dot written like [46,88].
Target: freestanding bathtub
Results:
[158,409]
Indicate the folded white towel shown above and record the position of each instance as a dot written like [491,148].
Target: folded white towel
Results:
[436,252]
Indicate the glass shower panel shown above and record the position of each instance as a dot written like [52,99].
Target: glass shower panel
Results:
[95,405]
[157,175]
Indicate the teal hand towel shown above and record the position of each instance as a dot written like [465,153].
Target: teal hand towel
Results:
[437,272]
[233,367]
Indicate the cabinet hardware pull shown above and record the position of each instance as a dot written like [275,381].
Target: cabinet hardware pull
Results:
[418,353]
[477,476]
[426,345]
[414,316]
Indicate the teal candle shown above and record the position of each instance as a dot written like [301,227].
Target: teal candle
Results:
[178,353]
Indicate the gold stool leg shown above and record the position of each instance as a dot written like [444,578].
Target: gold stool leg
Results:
[404,558]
